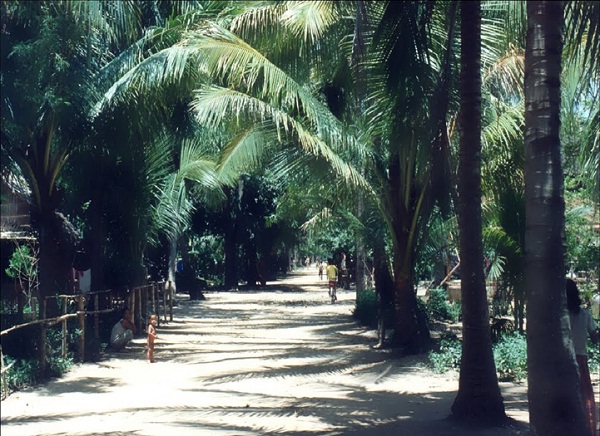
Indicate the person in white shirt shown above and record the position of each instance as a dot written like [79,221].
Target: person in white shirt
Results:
[122,332]
[582,325]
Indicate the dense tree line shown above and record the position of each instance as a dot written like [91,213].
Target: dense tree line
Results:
[154,127]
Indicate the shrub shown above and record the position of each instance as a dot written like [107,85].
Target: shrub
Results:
[510,355]
[438,307]
[365,310]
[24,372]
[455,311]
[448,357]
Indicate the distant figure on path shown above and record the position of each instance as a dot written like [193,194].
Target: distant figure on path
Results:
[582,324]
[332,275]
[344,278]
[151,337]
[122,332]
[321,270]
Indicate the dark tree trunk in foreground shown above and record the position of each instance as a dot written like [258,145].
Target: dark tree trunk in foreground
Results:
[479,395]
[230,242]
[384,284]
[555,406]
[360,72]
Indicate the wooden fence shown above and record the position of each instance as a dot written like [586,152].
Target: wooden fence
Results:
[152,298]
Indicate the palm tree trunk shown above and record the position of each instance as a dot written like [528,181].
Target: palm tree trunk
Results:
[383,287]
[360,72]
[479,395]
[411,332]
[555,406]
[230,244]
[97,234]
[172,263]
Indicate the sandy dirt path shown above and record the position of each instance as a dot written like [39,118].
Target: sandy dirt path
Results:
[279,361]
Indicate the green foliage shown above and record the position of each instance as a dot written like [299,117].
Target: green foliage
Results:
[23,373]
[448,357]
[22,264]
[510,355]
[365,310]
[23,267]
[583,250]
[26,372]
[57,364]
[439,308]
[60,365]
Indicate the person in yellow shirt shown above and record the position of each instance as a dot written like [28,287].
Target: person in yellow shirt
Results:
[332,274]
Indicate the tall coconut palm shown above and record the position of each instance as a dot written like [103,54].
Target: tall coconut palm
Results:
[176,199]
[552,370]
[478,392]
[279,107]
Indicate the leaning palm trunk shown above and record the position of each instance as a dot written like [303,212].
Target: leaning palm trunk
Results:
[555,406]
[479,395]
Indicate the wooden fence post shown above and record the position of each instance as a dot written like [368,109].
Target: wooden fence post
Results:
[164,302]
[132,306]
[140,311]
[63,350]
[153,297]
[4,387]
[81,316]
[42,350]
[96,318]
[145,309]
[170,300]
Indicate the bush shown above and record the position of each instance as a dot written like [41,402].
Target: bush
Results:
[24,372]
[448,357]
[439,308]
[510,355]
[365,310]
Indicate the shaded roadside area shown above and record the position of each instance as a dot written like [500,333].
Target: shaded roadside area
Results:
[281,360]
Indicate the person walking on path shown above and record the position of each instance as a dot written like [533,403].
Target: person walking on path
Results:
[332,275]
[582,324]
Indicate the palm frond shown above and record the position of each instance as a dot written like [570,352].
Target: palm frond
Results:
[212,104]
[504,76]
[230,59]
[582,24]
[310,20]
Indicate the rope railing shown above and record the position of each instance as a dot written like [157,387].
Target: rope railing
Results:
[141,300]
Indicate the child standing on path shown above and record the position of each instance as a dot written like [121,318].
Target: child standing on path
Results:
[151,337]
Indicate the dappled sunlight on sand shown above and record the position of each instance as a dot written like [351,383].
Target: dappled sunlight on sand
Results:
[278,360]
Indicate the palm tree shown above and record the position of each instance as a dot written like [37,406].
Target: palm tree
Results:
[478,393]
[176,199]
[272,105]
[552,375]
